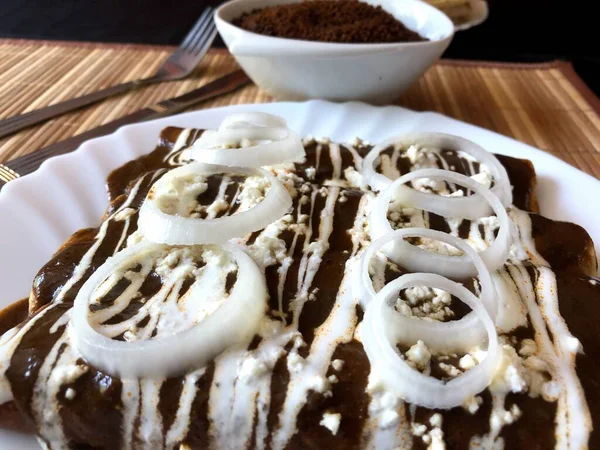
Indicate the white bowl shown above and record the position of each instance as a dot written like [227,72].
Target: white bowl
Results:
[374,73]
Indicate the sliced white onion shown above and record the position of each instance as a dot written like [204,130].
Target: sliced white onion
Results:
[252,119]
[235,321]
[274,146]
[418,259]
[379,182]
[160,227]
[380,334]
[456,335]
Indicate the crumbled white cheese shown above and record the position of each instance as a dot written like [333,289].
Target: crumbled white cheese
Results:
[528,347]
[165,264]
[178,197]
[515,378]
[418,429]
[388,401]
[442,248]
[416,294]
[337,364]
[253,192]
[319,383]
[310,173]
[484,177]
[124,214]
[332,379]
[515,411]
[402,217]
[441,296]
[70,394]
[295,362]
[419,355]
[457,193]
[426,303]
[472,404]
[436,440]
[413,154]
[436,420]
[331,422]
[501,417]
[388,418]
[268,248]
[511,374]
[467,362]
[403,308]
[384,404]
[592,282]
[450,369]
[551,391]
[354,178]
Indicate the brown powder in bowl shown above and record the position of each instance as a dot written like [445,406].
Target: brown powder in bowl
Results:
[343,21]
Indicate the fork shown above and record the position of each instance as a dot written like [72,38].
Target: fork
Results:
[179,65]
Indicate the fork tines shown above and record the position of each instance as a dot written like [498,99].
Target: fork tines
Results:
[201,34]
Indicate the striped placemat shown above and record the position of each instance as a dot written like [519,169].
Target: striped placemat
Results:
[545,105]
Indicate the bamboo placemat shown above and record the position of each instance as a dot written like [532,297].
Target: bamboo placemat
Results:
[545,105]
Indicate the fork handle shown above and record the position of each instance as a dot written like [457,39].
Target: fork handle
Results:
[17,123]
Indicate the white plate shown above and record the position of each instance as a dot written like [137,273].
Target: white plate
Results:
[39,211]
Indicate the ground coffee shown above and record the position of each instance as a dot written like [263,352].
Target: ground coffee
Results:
[344,21]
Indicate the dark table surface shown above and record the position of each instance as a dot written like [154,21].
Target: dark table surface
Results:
[517,30]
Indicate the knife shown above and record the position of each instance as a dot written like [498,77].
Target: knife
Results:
[32,161]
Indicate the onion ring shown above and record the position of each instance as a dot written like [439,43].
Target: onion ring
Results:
[160,227]
[379,333]
[410,256]
[234,321]
[456,335]
[284,144]
[379,182]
